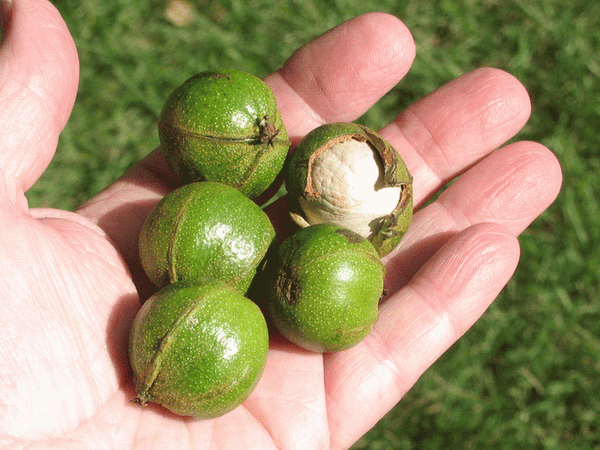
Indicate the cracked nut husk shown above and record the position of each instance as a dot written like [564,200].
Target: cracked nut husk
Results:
[347,174]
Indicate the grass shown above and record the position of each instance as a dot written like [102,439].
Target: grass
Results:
[526,375]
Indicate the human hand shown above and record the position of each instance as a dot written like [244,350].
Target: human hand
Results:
[69,282]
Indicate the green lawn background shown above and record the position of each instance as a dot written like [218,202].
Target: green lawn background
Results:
[526,375]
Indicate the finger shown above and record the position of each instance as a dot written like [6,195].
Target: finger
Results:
[341,74]
[511,187]
[38,83]
[415,327]
[386,55]
[455,126]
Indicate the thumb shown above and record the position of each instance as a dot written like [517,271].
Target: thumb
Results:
[39,73]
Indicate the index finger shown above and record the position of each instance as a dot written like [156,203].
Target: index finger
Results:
[338,76]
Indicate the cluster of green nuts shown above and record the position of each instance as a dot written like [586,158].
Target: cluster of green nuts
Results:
[199,345]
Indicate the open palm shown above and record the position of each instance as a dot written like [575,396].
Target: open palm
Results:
[70,283]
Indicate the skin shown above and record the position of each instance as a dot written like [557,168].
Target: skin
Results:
[68,297]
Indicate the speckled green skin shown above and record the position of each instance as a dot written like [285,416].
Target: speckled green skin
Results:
[198,350]
[224,127]
[393,227]
[327,288]
[205,230]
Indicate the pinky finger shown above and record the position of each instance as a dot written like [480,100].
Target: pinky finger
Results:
[416,325]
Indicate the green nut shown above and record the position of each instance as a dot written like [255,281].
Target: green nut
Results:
[347,174]
[198,350]
[325,288]
[205,231]
[225,127]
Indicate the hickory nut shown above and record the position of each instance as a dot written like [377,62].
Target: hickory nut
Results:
[346,174]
